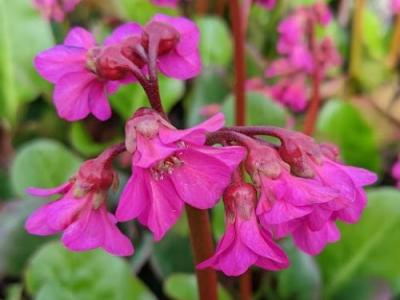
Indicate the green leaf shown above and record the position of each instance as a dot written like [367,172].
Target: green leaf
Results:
[131,97]
[340,122]
[209,88]
[302,280]
[184,287]
[369,248]
[216,42]
[142,10]
[42,163]
[82,141]
[17,16]
[57,273]
[14,292]
[260,111]
[16,245]
[373,35]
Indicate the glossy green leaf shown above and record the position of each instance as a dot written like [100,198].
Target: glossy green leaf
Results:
[341,123]
[16,245]
[142,10]
[373,35]
[17,16]
[184,287]
[260,111]
[209,88]
[131,97]
[216,42]
[369,248]
[57,273]
[302,280]
[42,163]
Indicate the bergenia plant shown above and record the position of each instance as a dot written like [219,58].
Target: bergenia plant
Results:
[294,188]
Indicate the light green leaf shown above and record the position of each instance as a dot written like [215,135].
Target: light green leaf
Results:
[340,122]
[216,42]
[260,111]
[369,248]
[142,10]
[184,287]
[131,97]
[86,275]
[373,35]
[42,163]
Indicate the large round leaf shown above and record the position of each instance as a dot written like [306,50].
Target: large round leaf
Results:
[56,272]
[42,163]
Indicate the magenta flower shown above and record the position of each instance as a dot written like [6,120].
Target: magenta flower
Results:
[81,214]
[245,242]
[395,6]
[267,4]
[82,82]
[396,172]
[166,3]
[55,9]
[171,167]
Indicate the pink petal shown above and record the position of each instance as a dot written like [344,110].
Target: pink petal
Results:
[61,189]
[312,242]
[115,242]
[150,151]
[135,196]
[98,102]
[318,218]
[61,213]
[37,222]
[164,208]
[122,32]
[283,211]
[201,179]
[261,244]
[180,67]
[361,177]
[71,95]
[195,135]
[80,37]
[352,213]
[231,156]
[58,61]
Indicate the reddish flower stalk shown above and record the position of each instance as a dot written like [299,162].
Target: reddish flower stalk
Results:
[395,44]
[203,248]
[201,7]
[239,60]
[356,39]
[220,7]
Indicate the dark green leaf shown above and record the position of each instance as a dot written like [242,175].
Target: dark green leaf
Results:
[341,123]
[56,272]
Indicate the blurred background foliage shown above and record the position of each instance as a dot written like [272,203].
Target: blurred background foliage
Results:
[39,149]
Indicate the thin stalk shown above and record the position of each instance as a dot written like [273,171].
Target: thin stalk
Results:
[239,61]
[203,248]
[245,286]
[356,38]
[201,7]
[395,44]
[220,7]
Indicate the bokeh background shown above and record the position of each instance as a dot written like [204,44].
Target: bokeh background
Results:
[360,113]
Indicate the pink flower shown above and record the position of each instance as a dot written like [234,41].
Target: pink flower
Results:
[55,9]
[291,93]
[171,167]
[245,242]
[81,214]
[166,3]
[267,4]
[395,6]
[82,82]
[396,172]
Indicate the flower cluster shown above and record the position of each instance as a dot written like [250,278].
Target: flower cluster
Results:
[55,9]
[302,56]
[84,73]
[295,188]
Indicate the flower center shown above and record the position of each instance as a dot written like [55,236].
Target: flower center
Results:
[166,167]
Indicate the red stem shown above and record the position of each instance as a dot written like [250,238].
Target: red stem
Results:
[203,248]
[220,7]
[245,286]
[239,61]
[201,7]
[313,109]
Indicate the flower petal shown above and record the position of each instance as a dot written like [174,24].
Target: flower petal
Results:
[122,32]
[38,192]
[180,67]
[80,37]
[98,102]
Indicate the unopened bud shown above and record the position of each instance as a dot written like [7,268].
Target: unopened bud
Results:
[131,48]
[168,36]
[240,198]
[109,64]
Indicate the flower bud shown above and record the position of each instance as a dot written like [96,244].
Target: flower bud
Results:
[240,199]
[168,36]
[130,49]
[109,64]
[94,175]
